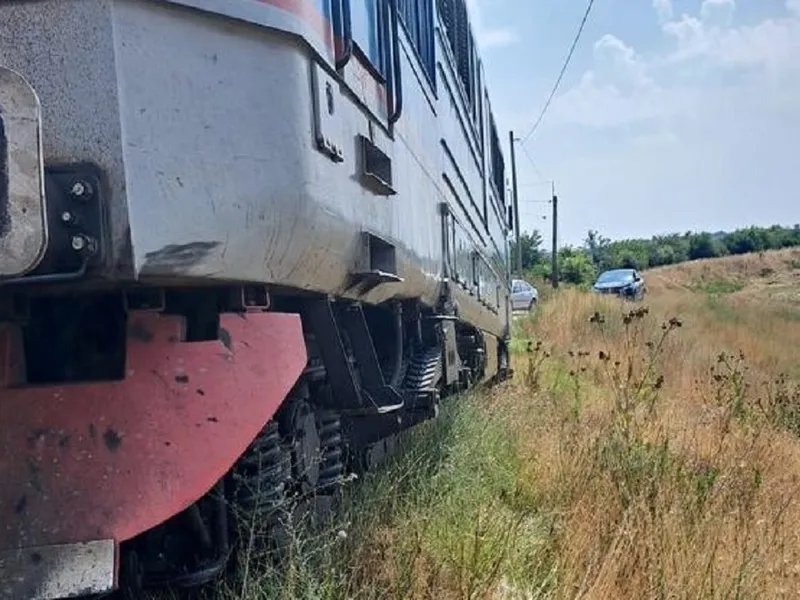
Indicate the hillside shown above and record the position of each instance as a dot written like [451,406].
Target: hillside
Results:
[682,433]
[772,276]
[642,451]
[579,265]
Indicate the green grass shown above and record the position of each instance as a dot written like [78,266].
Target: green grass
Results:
[445,518]
[719,287]
[723,312]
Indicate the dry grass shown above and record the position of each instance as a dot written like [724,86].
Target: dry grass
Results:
[675,464]
[642,451]
[766,275]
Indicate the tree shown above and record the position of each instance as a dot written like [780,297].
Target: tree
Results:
[532,254]
[598,247]
[744,241]
[580,265]
[702,245]
[577,268]
[661,254]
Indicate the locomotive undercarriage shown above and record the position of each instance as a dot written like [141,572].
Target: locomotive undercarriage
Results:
[370,373]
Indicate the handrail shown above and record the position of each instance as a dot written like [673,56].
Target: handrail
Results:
[347,35]
[397,109]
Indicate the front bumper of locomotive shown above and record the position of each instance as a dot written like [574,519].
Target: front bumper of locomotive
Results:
[87,466]
[24,241]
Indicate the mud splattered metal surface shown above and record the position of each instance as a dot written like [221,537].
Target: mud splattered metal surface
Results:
[66,51]
[61,571]
[110,460]
[231,187]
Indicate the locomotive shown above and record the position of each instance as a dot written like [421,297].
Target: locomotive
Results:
[243,245]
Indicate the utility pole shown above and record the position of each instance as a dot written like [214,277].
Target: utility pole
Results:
[516,202]
[554,254]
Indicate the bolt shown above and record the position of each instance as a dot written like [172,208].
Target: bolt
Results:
[78,243]
[84,244]
[80,190]
[66,216]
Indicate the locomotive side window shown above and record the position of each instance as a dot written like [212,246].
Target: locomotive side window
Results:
[452,258]
[476,273]
[464,264]
[497,164]
[367,27]
[477,96]
[417,18]
[485,281]
[459,37]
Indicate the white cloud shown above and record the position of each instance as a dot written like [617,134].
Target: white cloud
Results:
[663,8]
[697,132]
[717,11]
[770,46]
[691,38]
[487,37]
[708,58]
[619,62]
[493,38]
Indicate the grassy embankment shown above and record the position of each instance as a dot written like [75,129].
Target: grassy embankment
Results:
[643,451]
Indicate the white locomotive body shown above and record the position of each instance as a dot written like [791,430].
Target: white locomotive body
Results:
[327,172]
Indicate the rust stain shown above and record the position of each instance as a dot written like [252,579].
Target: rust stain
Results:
[37,435]
[112,440]
[139,332]
[34,470]
[225,338]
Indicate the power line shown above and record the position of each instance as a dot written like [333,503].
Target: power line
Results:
[561,74]
[530,160]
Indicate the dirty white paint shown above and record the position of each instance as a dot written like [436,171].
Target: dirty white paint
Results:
[62,571]
[204,117]
[23,223]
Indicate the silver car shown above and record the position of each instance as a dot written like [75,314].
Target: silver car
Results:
[523,295]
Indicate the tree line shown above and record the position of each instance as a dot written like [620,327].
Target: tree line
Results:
[580,265]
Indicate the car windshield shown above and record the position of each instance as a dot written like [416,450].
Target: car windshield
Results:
[616,277]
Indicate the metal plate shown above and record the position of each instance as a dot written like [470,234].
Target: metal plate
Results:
[62,571]
[327,123]
[111,460]
[23,225]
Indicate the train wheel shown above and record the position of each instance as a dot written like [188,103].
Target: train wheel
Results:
[290,478]
[262,496]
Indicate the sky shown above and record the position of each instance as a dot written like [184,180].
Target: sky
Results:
[673,115]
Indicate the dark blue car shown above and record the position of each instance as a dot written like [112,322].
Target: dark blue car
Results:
[623,282]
